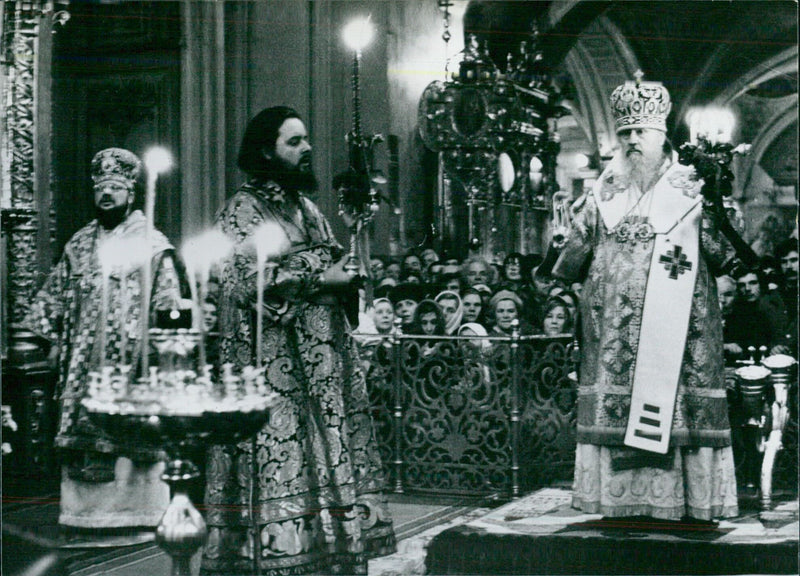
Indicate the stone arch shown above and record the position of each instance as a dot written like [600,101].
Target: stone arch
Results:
[785,114]
[600,60]
[781,64]
[772,129]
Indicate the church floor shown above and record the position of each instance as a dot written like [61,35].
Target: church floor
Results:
[536,534]
[417,520]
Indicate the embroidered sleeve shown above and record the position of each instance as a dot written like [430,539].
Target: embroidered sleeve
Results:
[288,279]
[166,287]
[46,315]
[584,222]
[715,247]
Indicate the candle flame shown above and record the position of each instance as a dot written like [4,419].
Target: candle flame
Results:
[270,240]
[358,33]
[206,249]
[157,160]
[121,253]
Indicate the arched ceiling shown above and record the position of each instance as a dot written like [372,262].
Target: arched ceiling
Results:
[741,53]
[780,158]
[696,48]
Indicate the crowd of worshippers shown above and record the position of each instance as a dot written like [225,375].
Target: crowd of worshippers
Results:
[759,307]
[423,294]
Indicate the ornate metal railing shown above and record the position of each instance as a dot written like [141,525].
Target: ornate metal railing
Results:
[453,419]
[450,419]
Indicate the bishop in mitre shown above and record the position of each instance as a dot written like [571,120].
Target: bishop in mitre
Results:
[652,424]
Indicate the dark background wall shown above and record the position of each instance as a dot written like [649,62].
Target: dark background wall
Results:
[188,75]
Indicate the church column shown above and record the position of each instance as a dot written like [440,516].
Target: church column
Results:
[27,231]
[25,176]
[203,135]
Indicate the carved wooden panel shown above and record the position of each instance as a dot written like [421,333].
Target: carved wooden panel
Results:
[116,83]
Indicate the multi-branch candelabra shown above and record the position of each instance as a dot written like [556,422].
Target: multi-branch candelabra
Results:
[180,405]
[762,390]
[179,410]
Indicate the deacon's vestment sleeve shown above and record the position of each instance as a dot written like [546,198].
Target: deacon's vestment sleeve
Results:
[585,220]
[166,288]
[48,308]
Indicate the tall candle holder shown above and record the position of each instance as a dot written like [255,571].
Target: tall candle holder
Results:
[763,392]
[783,373]
[359,198]
[176,406]
[181,411]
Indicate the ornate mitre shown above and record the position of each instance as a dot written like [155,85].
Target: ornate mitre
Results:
[116,164]
[640,104]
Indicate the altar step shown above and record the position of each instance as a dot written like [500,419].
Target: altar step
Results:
[541,534]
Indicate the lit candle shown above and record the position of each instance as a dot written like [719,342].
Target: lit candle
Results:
[259,309]
[123,314]
[101,337]
[270,241]
[201,296]
[199,254]
[157,160]
[105,256]
[197,310]
[149,206]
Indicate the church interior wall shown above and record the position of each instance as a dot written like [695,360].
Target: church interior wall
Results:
[120,78]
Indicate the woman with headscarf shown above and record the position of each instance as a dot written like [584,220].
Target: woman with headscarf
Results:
[475,353]
[482,345]
[452,308]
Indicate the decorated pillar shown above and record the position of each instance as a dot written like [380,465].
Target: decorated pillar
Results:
[25,152]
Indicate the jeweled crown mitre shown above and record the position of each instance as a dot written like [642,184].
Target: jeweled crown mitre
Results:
[116,164]
[640,104]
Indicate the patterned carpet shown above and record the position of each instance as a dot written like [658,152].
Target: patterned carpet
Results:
[537,532]
[30,530]
[541,534]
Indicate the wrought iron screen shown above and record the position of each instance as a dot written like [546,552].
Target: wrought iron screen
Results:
[453,419]
[450,419]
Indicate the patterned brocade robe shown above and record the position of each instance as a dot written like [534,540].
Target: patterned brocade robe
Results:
[104,484]
[67,312]
[612,302]
[316,503]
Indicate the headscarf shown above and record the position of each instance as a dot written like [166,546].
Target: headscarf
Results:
[455,321]
[485,344]
[367,333]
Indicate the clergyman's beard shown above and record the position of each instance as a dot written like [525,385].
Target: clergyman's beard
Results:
[291,178]
[643,169]
[112,217]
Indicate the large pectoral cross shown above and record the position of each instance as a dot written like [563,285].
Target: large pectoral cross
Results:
[676,262]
